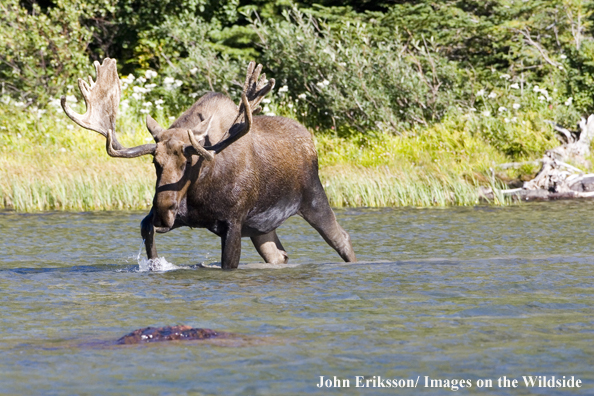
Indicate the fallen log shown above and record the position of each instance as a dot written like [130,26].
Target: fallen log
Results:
[557,179]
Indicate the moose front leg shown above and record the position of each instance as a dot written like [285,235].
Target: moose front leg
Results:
[231,243]
[147,230]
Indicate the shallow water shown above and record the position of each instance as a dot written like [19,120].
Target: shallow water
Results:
[457,293]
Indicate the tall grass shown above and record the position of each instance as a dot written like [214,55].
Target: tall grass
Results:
[62,183]
[44,165]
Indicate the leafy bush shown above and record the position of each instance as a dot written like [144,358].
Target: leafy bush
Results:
[41,52]
[343,77]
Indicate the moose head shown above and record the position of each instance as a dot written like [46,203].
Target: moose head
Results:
[178,151]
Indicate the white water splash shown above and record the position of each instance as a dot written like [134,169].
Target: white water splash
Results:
[157,265]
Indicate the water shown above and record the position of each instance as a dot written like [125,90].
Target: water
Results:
[458,293]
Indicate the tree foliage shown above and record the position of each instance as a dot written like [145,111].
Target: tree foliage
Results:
[360,66]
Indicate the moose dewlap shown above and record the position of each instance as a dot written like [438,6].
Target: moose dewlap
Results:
[222,168]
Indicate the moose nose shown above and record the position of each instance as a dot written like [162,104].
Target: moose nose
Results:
[165,217]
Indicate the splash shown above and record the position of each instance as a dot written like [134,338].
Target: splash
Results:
[157,265]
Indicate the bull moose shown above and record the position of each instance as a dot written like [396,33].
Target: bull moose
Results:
[221,168]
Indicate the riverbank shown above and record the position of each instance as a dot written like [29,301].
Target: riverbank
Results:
[54,165]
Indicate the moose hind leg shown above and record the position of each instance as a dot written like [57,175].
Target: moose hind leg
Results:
[147,231]
[270,248]
[318,213]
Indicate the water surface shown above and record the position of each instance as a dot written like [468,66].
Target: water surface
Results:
[457,293]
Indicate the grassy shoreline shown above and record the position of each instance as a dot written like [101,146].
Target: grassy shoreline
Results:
[51,166]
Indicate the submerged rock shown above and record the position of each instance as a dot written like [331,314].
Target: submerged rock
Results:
[169,333]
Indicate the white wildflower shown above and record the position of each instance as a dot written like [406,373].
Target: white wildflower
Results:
[19,135]
[568,102]
[290,105]
[70,127]
[502,109]
[514,119]
[55,102]
[536,88]
[144,111]
[326,82]
[63,149]
[516,106]
[342,64]
[515,86]
[492,95]
[71,98]
[124,104]
[486,113]
[563,56]
[506,120]
[193,71]
[159,102]
[480,92]
[150,87]
[69,87]
[40,113]
[137,95]
[171,118]
[542,98]
[266,101]
[6,99]
[302,96]
[159,107]
[193,95]
[283,89]
[168,80]
[141,80]
[472,109]
[140,90]
[178,83]
[150,74]
[505,76]
[147,104]
[148,139]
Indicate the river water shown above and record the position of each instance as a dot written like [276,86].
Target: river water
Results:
[457,293]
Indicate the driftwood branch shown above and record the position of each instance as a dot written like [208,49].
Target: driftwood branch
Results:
[557,179]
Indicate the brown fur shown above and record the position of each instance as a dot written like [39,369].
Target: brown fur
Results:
[222,169]
[248,189]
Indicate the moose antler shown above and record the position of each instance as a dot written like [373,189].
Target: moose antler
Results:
[102,98]
[255,89]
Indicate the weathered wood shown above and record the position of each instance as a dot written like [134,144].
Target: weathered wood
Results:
[557,179]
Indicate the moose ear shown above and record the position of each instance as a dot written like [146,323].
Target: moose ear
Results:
[200,131]
[154,128]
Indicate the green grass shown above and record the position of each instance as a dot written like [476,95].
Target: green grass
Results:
[44,165]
